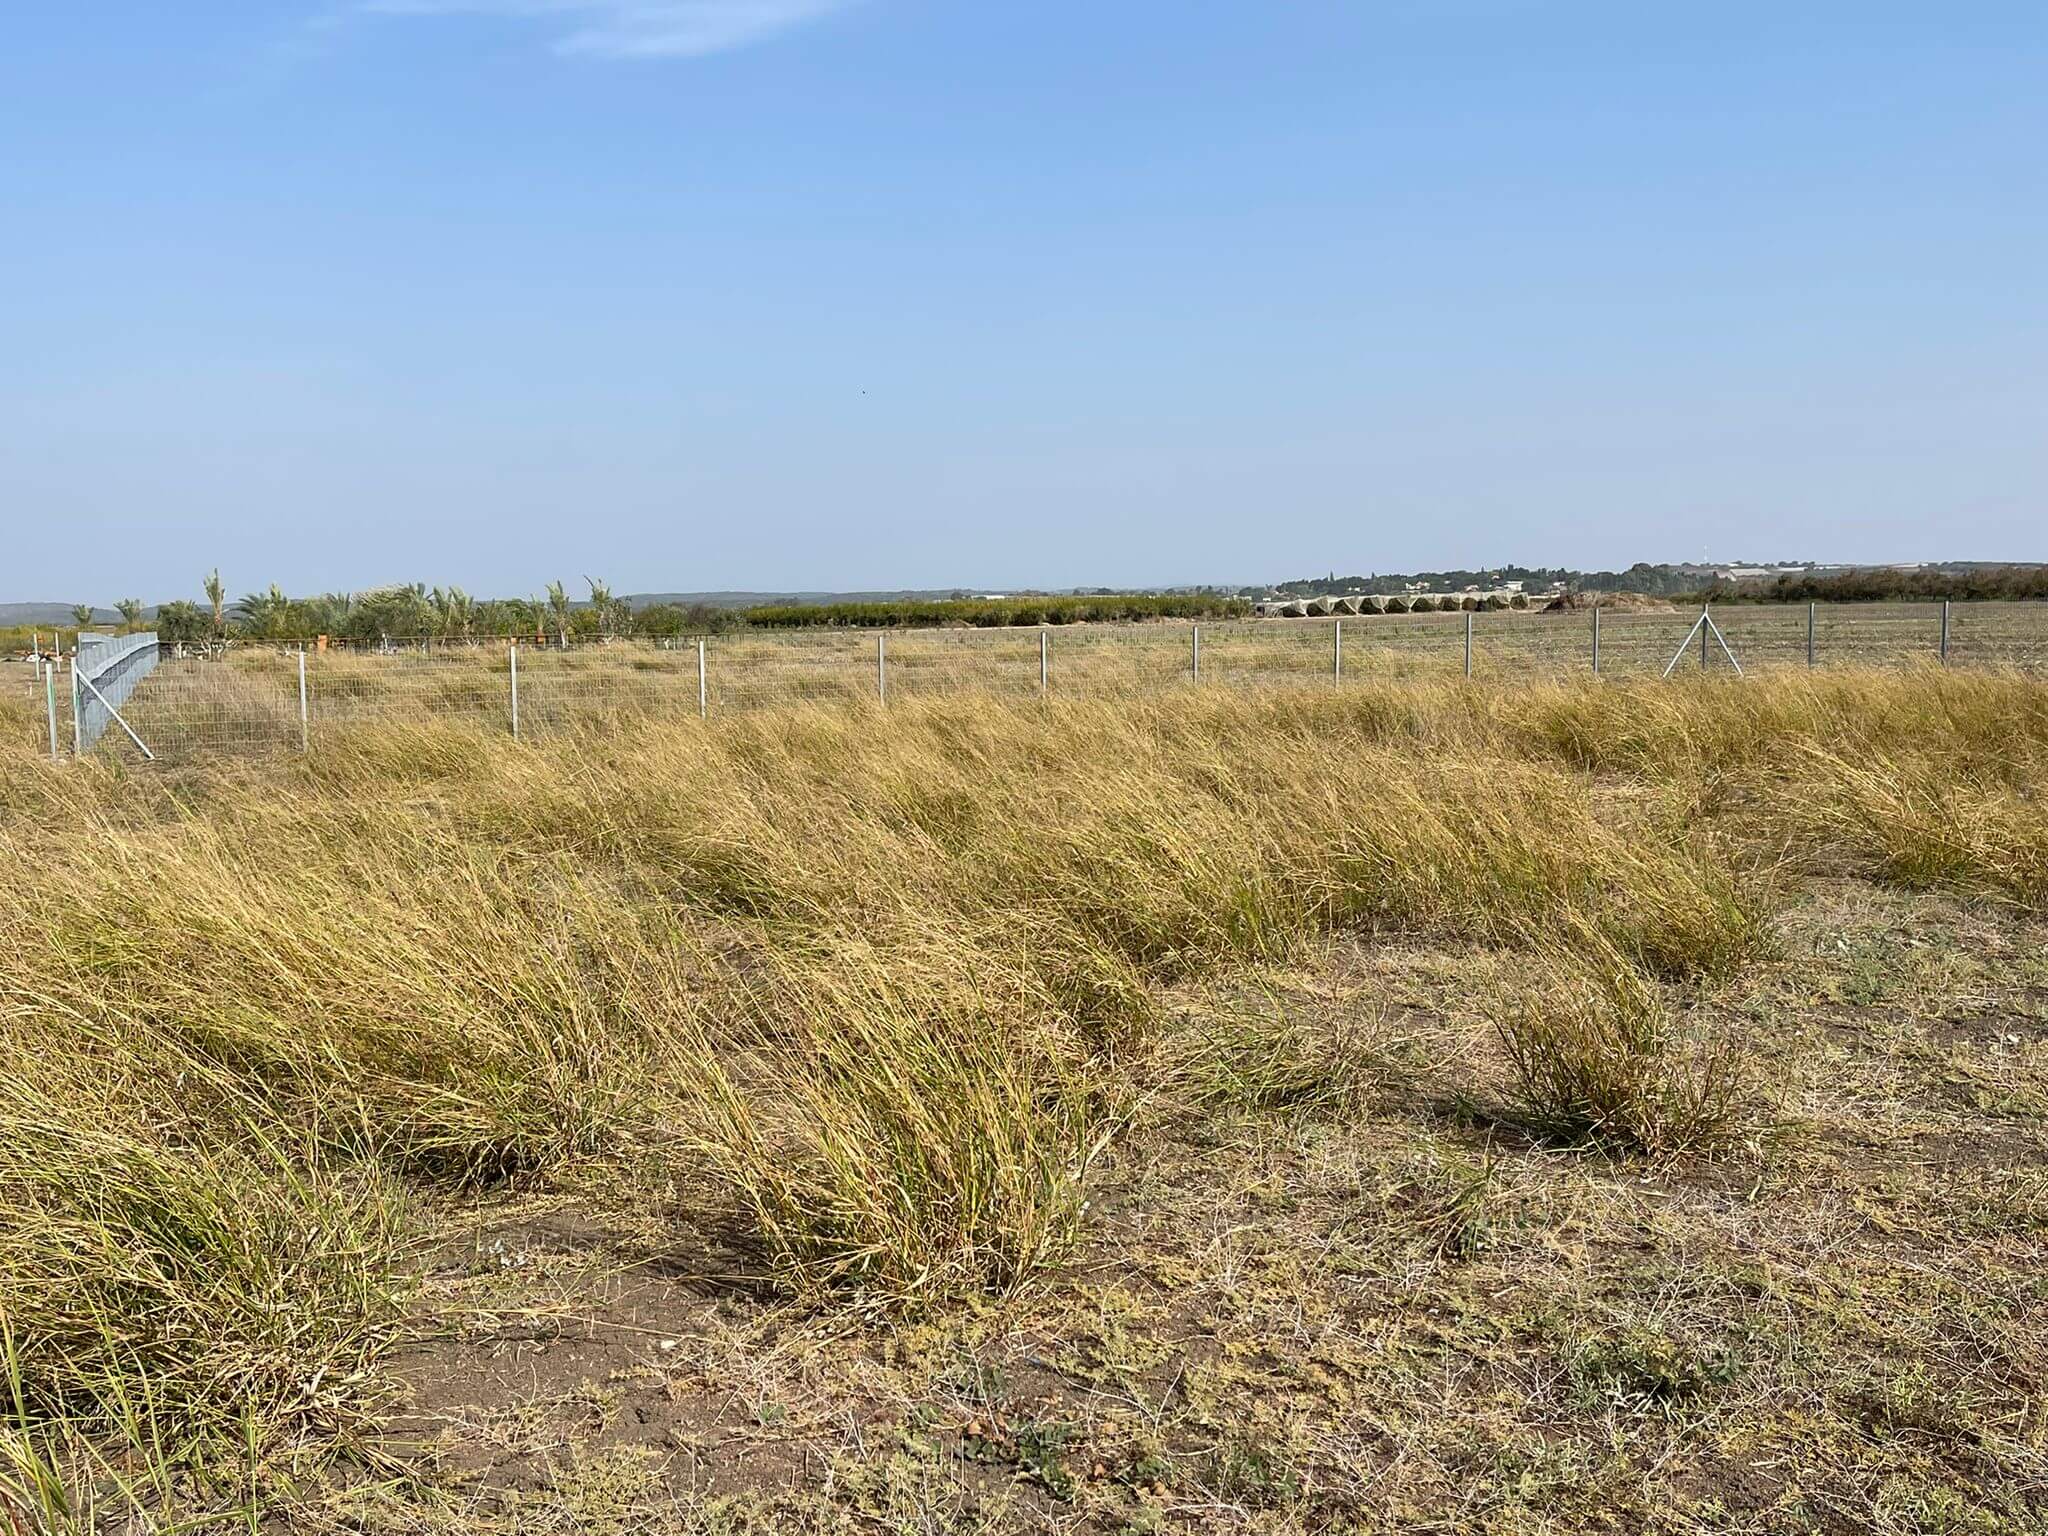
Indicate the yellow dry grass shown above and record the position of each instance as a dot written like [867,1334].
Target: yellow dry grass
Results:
[879,986]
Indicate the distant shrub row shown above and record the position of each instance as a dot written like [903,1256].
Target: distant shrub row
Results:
[2009,583]
[997,612]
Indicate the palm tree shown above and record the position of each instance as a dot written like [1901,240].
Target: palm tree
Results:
[600,604]
[614,614]
[454,612]
[266,615]
[130,609]
[81,614]
[413,605]
[330,614]
[217,594]
[558,604]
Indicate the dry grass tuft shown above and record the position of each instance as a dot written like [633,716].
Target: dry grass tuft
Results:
[901,1130]
[1598,1056]
[192,1266]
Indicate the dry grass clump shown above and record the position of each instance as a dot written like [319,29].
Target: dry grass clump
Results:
[1261,1054]
[1500,851]
[1929,823]
[1596,1055]
[905,1131]
[458,1018]
[1697,729]
[187,1267]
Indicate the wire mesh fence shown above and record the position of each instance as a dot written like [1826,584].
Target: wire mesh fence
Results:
[275,697]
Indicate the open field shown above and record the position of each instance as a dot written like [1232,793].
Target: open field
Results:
[250,701]
[1517,1106]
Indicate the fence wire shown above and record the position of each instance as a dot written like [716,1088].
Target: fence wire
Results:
[259,698]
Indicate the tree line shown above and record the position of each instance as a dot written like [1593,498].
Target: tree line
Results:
[415,611]
[1990,583]
[997,612]
[412,611]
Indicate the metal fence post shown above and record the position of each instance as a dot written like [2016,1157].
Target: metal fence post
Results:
[513,651]
[305,733]
[703,694]
[882,668]
[77,727]
[49,671]
[1596,639]
[1337,650]
[1195,654]
[1809,634]
[1944,631]
[1468,642]
[1044,661]
[1703,636]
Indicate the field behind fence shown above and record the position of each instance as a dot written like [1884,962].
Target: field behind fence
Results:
[268,696]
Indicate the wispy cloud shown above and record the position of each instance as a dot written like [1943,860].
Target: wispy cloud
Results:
[636,29]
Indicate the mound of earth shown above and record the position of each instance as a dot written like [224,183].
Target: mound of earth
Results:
[1620,602]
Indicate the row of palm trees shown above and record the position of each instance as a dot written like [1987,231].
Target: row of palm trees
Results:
[408,611]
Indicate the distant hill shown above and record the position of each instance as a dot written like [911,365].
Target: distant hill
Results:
[53,614]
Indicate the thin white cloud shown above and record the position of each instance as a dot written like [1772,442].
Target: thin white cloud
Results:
[637,29]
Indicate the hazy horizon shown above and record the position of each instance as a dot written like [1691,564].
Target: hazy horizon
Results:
[659,592]
[798,295]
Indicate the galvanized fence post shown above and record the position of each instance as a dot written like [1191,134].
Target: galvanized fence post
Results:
[305,715]
[1195,654]
[703,693]
[882,668]
[49,671]
[1044,661]
[513,653]
[77,726]
[1704,621]
[1596,639]
[1810,607]
[1944,631]
[1468,642]
[1337,650]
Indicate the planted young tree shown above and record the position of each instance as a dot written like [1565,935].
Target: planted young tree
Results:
[81,615]
[613,614]
[130,609]
[217,595]
[454,612]
[558,608]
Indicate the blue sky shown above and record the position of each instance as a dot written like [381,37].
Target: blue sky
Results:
[856,293]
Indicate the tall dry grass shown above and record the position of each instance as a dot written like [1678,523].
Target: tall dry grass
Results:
[884,983]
